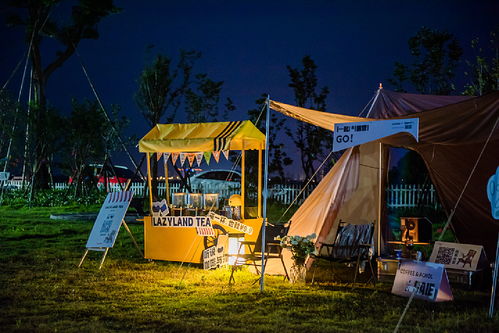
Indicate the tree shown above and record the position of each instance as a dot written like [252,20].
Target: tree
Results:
[162,88]
[278,158]
[34,16]
[89,139]
[202,101]
[311,141]
[436,55]
[484,71]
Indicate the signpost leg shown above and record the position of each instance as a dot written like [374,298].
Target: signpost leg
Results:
[83,258]
[103,258]
[495,276]
[133,238]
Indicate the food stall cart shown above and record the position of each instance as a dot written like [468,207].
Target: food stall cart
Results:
[171,233]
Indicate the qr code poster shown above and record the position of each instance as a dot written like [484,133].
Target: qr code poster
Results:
[108,222]
[458,256]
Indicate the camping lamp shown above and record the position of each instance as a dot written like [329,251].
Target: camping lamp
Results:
[234,244]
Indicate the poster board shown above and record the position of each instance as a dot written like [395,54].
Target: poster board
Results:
[466,257]
[216,256]
[108,221]
[352,134]
[427,280]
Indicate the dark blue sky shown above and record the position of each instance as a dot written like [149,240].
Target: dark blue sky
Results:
[247,44]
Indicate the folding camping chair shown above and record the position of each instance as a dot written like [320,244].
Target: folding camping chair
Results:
[352,245]
[273,251]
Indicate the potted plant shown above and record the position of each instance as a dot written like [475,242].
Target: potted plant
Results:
[301,248]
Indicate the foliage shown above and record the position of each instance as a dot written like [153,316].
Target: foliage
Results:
[202,101]
[39,25]
[301,247]
[312,141]
[89,139]
[9,116]
[436,55]
[484,71]
[162,87]
[42,290]
[51,198]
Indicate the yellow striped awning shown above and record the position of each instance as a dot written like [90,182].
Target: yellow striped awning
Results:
[202,137]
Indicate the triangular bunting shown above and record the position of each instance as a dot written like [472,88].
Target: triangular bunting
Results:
[226,154]
[183,156]
[174,158]
[207,157]
[166,156]
[216,155]
[199,158]
[158,156]
[191,157]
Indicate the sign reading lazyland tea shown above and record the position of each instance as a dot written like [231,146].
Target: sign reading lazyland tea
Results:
[181,221]
[426,280]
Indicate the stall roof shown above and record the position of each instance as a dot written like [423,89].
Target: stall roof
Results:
[201,137]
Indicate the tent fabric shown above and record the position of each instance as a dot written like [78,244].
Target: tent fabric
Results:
[392,104]
[317,213]
[202,137]
[453,131]
[318,118]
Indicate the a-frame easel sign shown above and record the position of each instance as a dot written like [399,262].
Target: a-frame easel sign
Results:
[107,224]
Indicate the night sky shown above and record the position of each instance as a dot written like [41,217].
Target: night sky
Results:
[247,44]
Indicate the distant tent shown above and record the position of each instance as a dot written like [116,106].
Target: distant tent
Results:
[452,132]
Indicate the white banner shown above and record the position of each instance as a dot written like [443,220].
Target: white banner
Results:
[230,223]
[426,280]
[4,176]
[108,222]
[347,135]
[457,256]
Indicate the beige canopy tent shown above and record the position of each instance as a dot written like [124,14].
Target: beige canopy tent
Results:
[453,132]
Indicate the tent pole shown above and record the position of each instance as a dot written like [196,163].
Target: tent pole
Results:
[265,192]
[259,204]
[375,99]
[380,199]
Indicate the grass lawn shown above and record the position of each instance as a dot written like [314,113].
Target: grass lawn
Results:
[42,290]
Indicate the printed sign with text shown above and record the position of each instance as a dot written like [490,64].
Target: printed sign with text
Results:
[348,135]
[426,280]
[108,222]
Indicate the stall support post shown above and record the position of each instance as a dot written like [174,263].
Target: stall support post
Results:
[243,181]
[167,182]
[265,193]
[149,181]
[259,183]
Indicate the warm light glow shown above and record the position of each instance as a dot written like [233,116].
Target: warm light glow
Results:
[234,248]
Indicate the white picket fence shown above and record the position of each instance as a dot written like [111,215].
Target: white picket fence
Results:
[406,196]
[397,196]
